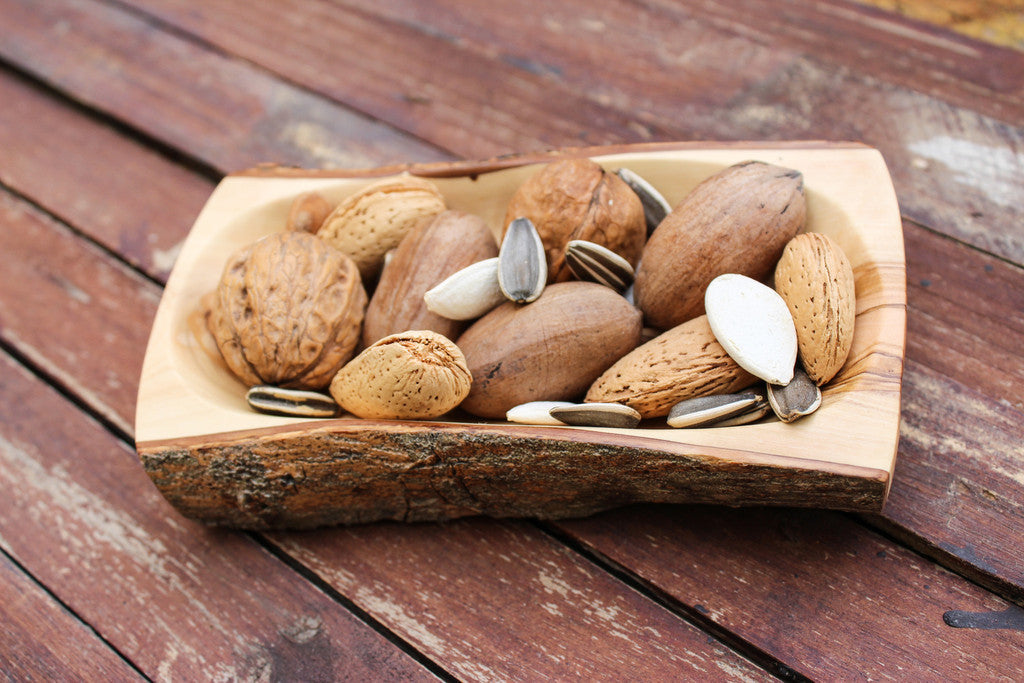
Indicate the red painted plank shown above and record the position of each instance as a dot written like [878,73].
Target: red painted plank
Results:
[830,600]
[132,200]
[618,72]
[41,640]
[209,105]
[180,600]
[89,285]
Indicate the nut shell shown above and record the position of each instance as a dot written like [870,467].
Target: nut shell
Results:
[684,362]
[576,199]
[414,375]
[433,250]
[815,279]
[549,350]
[288,311]
[369,223]
[307,212]
[736,221]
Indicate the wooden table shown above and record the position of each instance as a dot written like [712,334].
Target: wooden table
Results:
[118,118]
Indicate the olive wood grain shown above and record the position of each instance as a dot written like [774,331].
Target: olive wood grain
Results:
[217,460]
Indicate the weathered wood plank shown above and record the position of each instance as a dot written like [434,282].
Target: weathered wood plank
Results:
[132,200]
[346,557]
[831,600]
[206,104]
[99,280]
[73,312]
[179,600]
[40,640]
[740,70]
[498,600]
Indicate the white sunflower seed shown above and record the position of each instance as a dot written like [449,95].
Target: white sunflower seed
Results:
[522,265]
[468,293]
[536,412]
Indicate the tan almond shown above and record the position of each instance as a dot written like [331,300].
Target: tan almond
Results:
[549,350]
[684,362]
[307,212]
[736,221]
[374,220]
[432,251]
[815,279]
[413,375]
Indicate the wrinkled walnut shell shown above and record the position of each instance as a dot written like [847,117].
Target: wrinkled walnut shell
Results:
[288,311]
[576,199]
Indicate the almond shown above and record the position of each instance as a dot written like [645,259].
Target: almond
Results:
[549,350]
[308,212]
[429,253]
[736,221]
[414,375]
[684,362]
[815,279]
[368,224]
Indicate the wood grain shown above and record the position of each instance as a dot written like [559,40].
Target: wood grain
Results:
[202,102]
[41,640]
[196,568]
[179,600]
[742,70]
[58,291]
[132,200]
[500,601]
[783,578]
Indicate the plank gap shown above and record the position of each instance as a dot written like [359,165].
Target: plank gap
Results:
[691,615]
[361,614]
[67,608]
[173,154]
[184,34]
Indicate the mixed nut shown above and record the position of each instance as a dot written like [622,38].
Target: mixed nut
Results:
[542,327]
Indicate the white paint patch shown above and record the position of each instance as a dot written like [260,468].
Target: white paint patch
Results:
[996,172]
[163,259]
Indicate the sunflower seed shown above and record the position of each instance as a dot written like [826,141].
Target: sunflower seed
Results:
[290,402]
[597,415]
[468,293]
[795,400]
[536,413]
[709,410]
[597,263]
[522,265]
[746,418]
[655,206]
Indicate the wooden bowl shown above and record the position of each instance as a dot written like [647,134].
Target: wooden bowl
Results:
[218,461]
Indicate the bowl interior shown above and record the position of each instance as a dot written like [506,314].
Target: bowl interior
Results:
[185,391]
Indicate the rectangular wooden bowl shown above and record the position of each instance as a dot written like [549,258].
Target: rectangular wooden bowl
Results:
[218,461]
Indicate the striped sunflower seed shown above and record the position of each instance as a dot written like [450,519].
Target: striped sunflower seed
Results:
[522,265]
[596,263]
[290,402]
[656,207]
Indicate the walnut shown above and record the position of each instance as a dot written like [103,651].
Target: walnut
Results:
[288,311]
[576,199]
